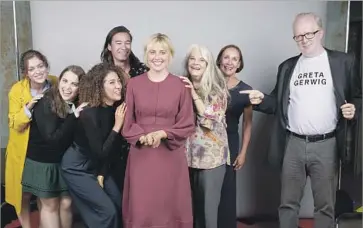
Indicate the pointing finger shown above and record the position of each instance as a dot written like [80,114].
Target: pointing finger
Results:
[246,91]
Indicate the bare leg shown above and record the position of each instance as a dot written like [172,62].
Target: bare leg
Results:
[49,214]
[65,211]
[24,216]
[39,205]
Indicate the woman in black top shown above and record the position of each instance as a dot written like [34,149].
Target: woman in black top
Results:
[85,165]
[54,118]
[117,50]
[230,61]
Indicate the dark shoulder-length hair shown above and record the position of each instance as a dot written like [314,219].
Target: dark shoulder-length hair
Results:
[58,105]
[29,54]
[106,55]
[219,57]
[91,88]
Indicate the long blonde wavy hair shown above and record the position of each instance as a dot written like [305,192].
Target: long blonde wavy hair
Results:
[212,82]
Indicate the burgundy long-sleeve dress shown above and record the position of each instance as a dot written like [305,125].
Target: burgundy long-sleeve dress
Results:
[157,188]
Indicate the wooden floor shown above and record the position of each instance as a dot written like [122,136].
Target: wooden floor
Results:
[304,223]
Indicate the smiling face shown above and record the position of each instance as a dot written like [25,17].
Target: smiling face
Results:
[112,88]
[158,57]
[308,35]
[230,61]
[120,46]
[68,86]
[197,65]
[36,70]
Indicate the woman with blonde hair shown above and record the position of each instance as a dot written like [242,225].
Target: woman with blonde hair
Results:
[207,148]
[159,119]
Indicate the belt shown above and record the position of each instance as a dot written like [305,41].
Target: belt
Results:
[314,138]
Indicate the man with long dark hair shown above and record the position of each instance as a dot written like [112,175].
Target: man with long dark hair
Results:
[117,50]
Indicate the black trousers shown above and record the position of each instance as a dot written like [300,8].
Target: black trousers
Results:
[98,207]
[227,211]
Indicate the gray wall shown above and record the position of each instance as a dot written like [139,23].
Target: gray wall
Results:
[263,30]
[8,68]
[74,32]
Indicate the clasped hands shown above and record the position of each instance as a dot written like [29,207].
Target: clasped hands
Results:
[153,139]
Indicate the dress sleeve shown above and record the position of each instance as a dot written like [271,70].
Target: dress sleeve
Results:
[131,131]
[184,122]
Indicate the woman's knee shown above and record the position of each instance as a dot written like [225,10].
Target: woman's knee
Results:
[50,204]
[65,203]
[110,211]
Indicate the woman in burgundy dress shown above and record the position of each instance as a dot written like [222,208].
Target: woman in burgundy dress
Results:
[159,119]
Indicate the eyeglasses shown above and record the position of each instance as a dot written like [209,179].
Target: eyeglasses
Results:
[308,35]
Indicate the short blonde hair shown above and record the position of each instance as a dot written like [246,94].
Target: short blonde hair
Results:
[310,14]
[161,39]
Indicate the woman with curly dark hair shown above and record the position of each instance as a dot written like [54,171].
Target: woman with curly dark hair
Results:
[96,141]
[53,120]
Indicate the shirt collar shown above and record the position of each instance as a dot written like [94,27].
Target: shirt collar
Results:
[46,87]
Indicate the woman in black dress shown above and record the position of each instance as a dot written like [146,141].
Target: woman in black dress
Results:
[230,61]
[85,165]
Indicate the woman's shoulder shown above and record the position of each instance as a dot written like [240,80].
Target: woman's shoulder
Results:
[244,86]
[47,96]
[88,110]
[19,86]
[175,79]
[52,79]
[136,80]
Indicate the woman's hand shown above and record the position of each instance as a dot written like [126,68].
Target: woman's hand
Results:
[119,117]
[100,180]
[240,161]
[157,137]
[189,84]
[33,101]
[153,139]
[79,109]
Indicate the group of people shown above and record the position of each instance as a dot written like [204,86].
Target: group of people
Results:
[132,145]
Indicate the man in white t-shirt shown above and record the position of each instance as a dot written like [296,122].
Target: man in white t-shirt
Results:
[315,98]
